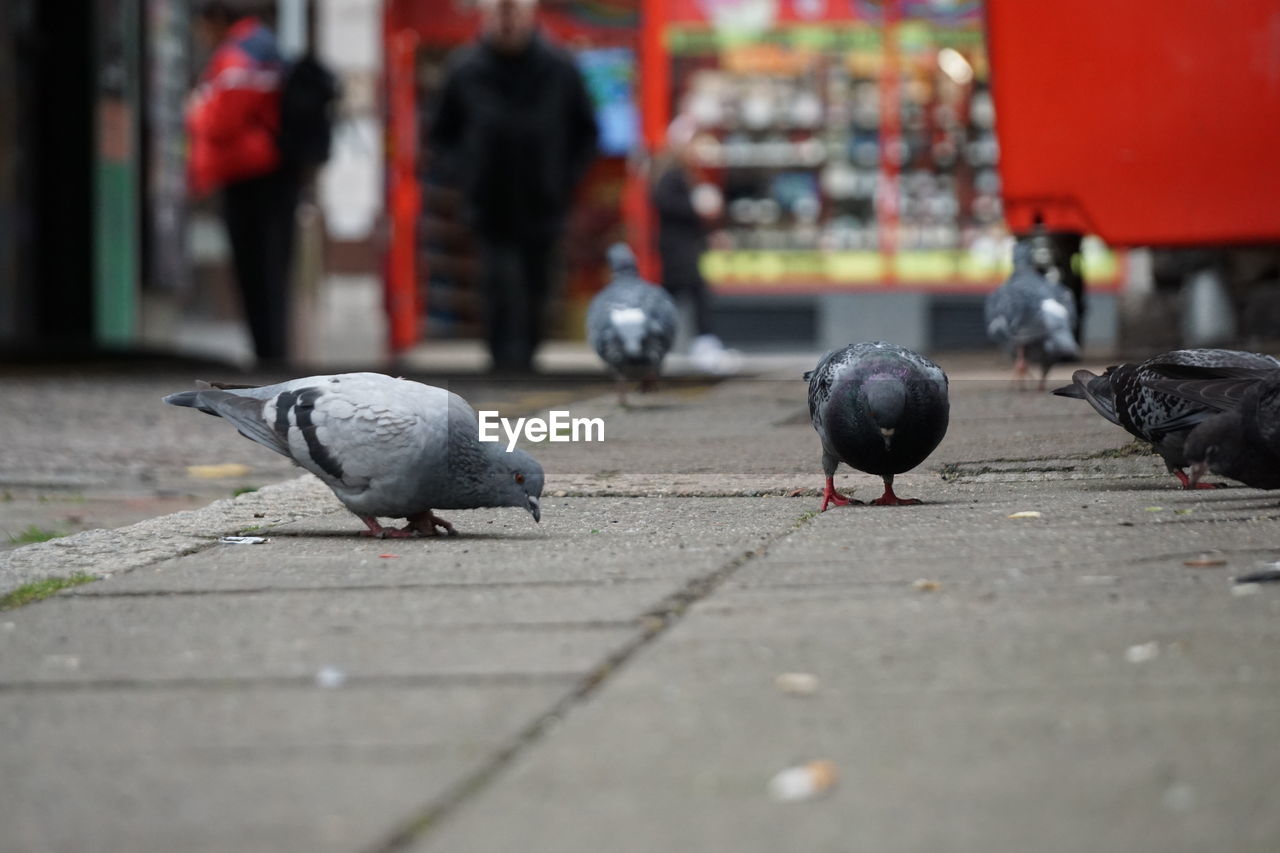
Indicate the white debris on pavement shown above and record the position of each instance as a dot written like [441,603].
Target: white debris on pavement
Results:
[805,782]
[330,677]
[1142,652]
[797,683]
[244,540]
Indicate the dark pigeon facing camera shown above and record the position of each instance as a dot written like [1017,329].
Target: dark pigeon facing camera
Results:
[879,408]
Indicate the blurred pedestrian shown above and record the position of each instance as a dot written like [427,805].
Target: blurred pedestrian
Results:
[686,207]
[515,129]
[233,122]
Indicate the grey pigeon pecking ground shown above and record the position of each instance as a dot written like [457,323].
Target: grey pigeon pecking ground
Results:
[631,324]
[879,408]
[1032,317]
[1129,396]
[389,448]
[1242,441]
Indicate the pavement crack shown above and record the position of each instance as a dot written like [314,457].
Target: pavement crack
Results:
[653,624]
[352,682]
[373,587]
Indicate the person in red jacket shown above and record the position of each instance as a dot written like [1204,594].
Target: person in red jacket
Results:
[233,122]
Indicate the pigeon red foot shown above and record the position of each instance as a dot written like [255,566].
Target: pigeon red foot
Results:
[1188,483]
[426,524]
[890,499]
[831,496]
[377,531]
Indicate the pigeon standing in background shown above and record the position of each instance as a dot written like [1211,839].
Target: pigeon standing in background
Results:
[1131,396]
[388,448]
[631,324]
[879,408]
[1242,441]
[1032,317]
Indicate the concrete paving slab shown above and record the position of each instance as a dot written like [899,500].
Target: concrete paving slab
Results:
[1068,684]
[580,541]
[281,635]
[268,768]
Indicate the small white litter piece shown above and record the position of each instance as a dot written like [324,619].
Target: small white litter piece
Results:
[1142,652]
[1242,589]
[805,782]
[244,540]
[797,683]
[330,677]
[1028,513]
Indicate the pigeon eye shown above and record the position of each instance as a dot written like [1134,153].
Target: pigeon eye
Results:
[519,478]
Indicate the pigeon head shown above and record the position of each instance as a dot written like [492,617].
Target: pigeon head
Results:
[1214,445]
[622,260]
[884,399]
[1023,255]
[521,482]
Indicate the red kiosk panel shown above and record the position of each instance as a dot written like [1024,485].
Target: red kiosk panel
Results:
[1147,122]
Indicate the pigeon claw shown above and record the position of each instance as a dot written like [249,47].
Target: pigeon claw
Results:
[377,531]
[426,524]
[390,533]
[890,499]
[1194,482]
[831,496]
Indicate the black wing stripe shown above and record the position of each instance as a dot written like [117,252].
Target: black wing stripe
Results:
[284,403]
[319,453]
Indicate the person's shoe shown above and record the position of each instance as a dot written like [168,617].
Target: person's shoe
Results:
[709,355]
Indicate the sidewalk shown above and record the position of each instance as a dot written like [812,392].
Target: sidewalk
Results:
[605,681]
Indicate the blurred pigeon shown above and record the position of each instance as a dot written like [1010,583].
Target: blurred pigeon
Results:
[631,323]
[879,408]
[388,448]
[1129,396]
[1032,317]
[1242,441]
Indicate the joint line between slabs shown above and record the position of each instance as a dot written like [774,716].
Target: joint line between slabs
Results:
[654,624]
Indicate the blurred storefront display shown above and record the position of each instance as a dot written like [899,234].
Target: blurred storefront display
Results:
[854,142]
[430,270]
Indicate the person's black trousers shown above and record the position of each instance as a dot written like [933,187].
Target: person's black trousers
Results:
[516,279]
[260,218]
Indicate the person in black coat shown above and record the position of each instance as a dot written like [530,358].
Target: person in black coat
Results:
[684,212]
[516,131]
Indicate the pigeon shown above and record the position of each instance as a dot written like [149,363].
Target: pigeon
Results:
[1032,317]
[879,408]
[631,324]
[389,448]
[1127,395]
[1241,441]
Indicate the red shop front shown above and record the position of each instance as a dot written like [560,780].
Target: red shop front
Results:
[430,264]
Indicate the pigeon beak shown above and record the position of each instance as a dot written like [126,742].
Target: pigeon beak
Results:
[888,437]
[1198,470]
[535,509]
